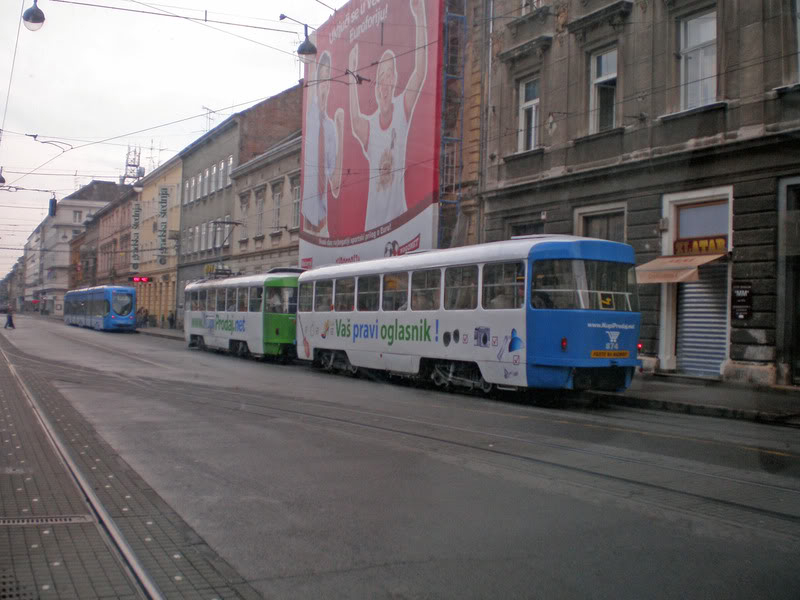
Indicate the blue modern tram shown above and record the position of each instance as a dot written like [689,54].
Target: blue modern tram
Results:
[105,307]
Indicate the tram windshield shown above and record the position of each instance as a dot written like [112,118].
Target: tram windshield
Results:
[281,300]
[122,303]
[584,284]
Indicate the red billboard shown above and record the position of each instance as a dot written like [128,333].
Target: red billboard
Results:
[371,132]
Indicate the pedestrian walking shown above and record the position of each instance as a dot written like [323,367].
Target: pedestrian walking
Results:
[9,319]
[171,319]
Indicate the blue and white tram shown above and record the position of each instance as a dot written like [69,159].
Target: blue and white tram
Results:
[105,307]
[545,311]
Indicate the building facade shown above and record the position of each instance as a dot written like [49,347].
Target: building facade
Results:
[267,208]
[156,218]
[207,197]
[47,252]
[671,125]
[114,239]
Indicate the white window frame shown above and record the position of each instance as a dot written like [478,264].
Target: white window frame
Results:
[205,182]
[186,192]
[533,106]
[226,240]
[214,177]
[244,206]
[527,6]
[259,197]
[192,190]
[203,236]
[597,82]
[685,53]
[669,291]
[295,185]
[230,168]
[276,203]
[220,175]
[580,213]
[77,216]
[196,242]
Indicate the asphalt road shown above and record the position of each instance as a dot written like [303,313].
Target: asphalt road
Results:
[319,486]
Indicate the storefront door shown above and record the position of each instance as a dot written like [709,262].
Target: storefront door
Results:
[701,339]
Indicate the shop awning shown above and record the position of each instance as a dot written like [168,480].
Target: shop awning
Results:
[673,269]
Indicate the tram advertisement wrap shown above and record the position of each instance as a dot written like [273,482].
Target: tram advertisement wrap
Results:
[371,123]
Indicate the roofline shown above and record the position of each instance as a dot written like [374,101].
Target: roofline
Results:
[285,144]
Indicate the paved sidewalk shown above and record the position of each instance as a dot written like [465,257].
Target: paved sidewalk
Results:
[710,398]
[163,332]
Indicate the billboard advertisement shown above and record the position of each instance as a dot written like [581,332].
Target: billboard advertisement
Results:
[371,132]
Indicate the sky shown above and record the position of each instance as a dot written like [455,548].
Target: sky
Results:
[91,74]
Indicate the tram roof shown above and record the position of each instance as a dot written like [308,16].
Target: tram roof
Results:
[517,248]
[242,280]
[99,288]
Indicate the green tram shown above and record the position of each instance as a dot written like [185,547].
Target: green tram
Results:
[249,315]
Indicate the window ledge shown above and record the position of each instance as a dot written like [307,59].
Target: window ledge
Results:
[539,150]
[612,14]
[721,105]
[274,234]
[243,240]
[536,13]
[294,229]
[258,237]
[538,44]
[787,89]
[599,135]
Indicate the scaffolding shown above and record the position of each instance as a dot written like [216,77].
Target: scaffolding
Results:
[451,153]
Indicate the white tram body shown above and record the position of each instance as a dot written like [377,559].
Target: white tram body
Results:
[442,313]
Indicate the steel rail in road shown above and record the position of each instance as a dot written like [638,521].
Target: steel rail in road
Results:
[105,522]
[215,401]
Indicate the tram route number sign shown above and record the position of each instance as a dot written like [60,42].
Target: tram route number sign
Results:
[742,300]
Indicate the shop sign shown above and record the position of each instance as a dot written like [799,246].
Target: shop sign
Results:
[717,244]
[742,300]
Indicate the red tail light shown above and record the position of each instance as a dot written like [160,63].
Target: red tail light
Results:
[639,346]
[563,344]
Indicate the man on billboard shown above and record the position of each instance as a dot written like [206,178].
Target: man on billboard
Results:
[383,134]
[323,154]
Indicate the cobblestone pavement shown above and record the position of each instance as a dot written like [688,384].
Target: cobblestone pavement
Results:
[50,542]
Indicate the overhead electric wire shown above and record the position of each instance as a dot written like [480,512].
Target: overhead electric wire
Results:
[11,74]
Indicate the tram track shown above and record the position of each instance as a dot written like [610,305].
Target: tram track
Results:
[111,533]
[198,397]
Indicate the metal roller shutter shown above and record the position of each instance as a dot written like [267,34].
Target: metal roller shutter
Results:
[703,322]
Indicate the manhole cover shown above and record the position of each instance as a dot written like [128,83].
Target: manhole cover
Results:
[12,589]
[62,520]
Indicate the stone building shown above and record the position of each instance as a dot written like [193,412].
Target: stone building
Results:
[671,125]
[207,198]
[267,208]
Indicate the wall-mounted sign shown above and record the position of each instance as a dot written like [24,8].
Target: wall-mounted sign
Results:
[717,244]
[741,300]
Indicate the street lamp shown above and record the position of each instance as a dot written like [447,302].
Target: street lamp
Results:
[306,51]
[138,186]
[33,18]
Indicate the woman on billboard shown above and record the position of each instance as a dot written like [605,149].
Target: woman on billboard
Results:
[383,134]
[323,162]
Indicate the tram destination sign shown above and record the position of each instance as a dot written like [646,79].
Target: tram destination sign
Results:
[741,300]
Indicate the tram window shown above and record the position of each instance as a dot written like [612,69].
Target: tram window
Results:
[106,307]
[122,303]
[230,299]
[344,296]
[290,293]
[306,297]
[187,302]
[503,285]
[323,296]
[395,291]
[256,294]
[194,303]
[241,305]
[461,288]
[587,284]
[368,293]
[425,289]
[211,300]
[220,299]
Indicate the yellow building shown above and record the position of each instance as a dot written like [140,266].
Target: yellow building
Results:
[155,226]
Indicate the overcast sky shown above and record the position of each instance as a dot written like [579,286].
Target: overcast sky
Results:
[90,74]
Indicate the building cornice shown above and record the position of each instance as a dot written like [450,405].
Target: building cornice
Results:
[612,14]
[537,45]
